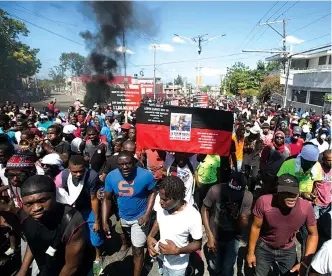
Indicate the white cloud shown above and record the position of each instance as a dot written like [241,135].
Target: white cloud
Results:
[162,47]
[178,39]
[130,52]
[293,40]
[206,71]
[121,50]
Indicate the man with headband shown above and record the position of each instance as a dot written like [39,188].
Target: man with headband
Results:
[53,231]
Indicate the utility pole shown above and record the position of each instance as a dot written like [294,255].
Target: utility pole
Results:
[283,35]
[154,73]
[199,40]
[124,53]
[154,47]
[284,43]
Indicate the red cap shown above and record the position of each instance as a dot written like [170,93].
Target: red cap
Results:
[126,126]
[57,110]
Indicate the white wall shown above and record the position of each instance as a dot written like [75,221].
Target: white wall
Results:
[313,62]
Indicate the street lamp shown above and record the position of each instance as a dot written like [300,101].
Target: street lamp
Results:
[199,40]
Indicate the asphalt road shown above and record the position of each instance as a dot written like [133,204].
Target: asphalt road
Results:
[63,101]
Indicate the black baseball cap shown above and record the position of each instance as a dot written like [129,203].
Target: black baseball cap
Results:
[235,188]
[288,183]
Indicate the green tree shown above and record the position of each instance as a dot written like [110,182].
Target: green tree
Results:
[57,74]
[17,60]
[178,80]
[270,85]
[73,62]
[273,66]
[237,78]
[205,88]
[45,83]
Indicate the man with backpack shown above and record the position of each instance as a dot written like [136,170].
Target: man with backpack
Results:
[53,231]
[183,165]
[225,213]
[79,189]
[94,149]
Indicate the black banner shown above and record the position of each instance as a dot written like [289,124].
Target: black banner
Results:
[184,129]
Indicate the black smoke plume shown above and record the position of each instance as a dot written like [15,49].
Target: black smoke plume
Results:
[114,20]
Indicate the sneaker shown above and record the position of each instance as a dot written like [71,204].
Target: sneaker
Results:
[97,269]
[10,251]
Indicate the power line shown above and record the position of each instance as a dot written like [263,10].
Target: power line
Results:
[260,21]
[276,19]
[290,7]
[33,24]
[329,34]
[311,23]
[262,27]
[42,17]
[194,60]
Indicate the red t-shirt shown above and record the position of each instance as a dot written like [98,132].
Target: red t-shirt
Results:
[295,148]
[278,231]
[51,107]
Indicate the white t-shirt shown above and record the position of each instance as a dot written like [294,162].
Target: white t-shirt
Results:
[322,262]
[16,190]
[321,147]
[177,228]
[185,174]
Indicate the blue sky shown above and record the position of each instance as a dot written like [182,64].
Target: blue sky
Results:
[235,19]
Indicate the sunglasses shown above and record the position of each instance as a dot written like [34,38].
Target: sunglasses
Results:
[279,137]
[20,175]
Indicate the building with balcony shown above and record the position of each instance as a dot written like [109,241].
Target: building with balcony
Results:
[309,80]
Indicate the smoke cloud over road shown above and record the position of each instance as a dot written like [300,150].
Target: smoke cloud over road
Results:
[116,22]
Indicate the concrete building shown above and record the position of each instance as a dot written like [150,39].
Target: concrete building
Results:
[309,80]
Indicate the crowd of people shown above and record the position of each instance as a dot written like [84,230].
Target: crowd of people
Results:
[66,175]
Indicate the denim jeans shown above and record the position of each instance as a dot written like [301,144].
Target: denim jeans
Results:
[222,263]
[320,210]
[304,236]
[266,256]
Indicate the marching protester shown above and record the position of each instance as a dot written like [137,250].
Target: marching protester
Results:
[225,213]
[134,188]
[55,143]
[78,188]
[253,146]
[322,189]
[237,147]
[277,218]
[94,149]
[176,222]
[90,166]
[56,252]
[272,157]
[296,143]
[320,141]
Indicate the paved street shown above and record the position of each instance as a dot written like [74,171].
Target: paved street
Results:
[63,101]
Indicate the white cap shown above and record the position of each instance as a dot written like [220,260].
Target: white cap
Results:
[57,121]
[53,159]
[69,129]
[75,144]
[305,129]
[255,129]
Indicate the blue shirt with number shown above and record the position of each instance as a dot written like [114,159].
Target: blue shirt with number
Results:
[132,192]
